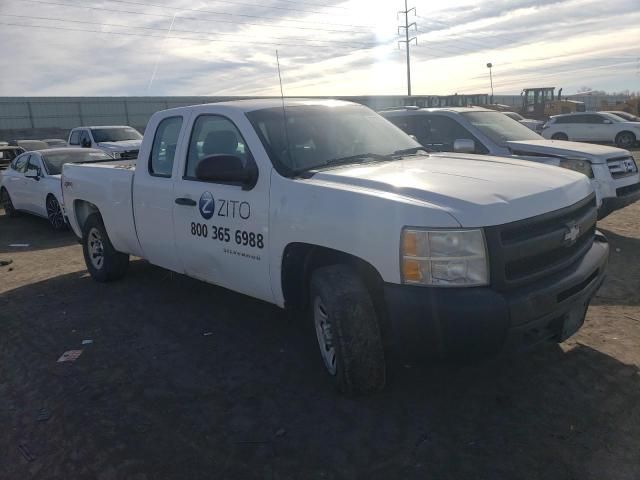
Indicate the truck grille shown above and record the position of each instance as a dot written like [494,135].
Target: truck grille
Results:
[129,154]
[528,250]
[622,166]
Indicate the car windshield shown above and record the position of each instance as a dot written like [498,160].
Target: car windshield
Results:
[321,135]
[500,128]
[514,115]
[118,134]
[55,160]
[612,117]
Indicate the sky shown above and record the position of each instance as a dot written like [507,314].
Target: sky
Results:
[228,47]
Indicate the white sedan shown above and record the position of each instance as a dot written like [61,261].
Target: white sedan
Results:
[32,182]
[593,127]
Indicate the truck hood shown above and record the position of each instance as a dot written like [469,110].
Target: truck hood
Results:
[476,190]
[588,151]
[121,146]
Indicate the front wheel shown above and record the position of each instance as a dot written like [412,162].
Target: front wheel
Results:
[559,136]
[625,140]
[104,262]
[54,214]
[7,204]
[347,330]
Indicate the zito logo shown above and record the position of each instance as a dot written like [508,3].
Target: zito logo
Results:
[207,205]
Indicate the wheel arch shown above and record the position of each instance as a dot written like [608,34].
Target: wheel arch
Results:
[82,209]
[301,259]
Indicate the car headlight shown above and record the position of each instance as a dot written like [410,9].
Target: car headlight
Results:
[582,166]
[444,258]
[116,155]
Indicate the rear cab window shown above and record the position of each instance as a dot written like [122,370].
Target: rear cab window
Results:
[74,139]
[163,151]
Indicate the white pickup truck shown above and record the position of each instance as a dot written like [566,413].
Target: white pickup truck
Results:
[344,216]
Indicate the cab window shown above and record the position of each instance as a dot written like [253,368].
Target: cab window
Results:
[439,133]
[211,135]
[164,146]
[75,138]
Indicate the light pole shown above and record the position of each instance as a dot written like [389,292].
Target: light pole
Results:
[489,65]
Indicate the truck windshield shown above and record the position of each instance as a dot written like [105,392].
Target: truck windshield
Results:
[500,128]
[118,134]
[55,160]
[321,135]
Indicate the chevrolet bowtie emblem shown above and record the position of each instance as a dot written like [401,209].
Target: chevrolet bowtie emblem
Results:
[571,236]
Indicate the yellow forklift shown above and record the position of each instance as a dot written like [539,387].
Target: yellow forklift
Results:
[541,103]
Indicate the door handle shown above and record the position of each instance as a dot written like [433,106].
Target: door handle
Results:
[186,202]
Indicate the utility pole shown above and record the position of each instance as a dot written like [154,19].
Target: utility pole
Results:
[407,40]
[489,66]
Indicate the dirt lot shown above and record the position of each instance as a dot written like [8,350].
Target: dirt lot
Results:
[156,396]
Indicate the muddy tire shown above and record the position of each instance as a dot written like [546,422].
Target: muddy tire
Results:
[54,214]
[625,140]
[7,204]
[559,136]
[104,262]
[347,330]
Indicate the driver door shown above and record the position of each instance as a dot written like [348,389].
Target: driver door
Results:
[222,229]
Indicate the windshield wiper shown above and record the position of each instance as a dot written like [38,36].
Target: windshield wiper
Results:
[409,151]
[363,157]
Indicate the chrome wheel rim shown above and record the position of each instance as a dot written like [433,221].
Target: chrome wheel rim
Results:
[96,248]
[625,140]
[324,334]
[54,213]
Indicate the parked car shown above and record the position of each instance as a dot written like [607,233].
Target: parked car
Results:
[628,117]
[55,142]
[3,143]
[324,207]
[32,182]
[613,171]
[593,127]
[535,125]
[29,145]
[7,154]
[121,142]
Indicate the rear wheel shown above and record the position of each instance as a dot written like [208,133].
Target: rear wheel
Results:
[54,214]
[559,136]
[625,140]
[7,204]
[104,262]
[347,330]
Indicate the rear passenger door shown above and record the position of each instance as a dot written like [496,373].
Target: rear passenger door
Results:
[153,193]
[222,228]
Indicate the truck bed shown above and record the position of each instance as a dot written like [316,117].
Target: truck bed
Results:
[107,185]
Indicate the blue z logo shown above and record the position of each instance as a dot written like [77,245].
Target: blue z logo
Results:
[207,205]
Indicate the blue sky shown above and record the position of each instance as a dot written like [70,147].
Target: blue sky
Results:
[227,47]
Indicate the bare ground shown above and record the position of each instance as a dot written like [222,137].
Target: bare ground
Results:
[186,380]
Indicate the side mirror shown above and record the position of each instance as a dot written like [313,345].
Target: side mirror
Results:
[227,168]
[33,174]
[464,145]
[86,143]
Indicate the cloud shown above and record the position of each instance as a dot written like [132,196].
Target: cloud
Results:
[342,48]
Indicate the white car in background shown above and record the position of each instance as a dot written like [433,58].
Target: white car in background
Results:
[535,125]
[121,142]
[32,182]
[613,171]
[593,127]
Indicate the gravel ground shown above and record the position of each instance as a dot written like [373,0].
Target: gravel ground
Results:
[186,380]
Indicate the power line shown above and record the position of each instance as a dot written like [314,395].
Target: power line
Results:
[84,22]
[50,27]
[407,41]
[212,12]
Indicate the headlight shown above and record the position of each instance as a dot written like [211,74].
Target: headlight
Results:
[116,155]
[582,166]
[444,258]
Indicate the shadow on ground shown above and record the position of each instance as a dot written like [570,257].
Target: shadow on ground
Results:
[186,380]
[31,230]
